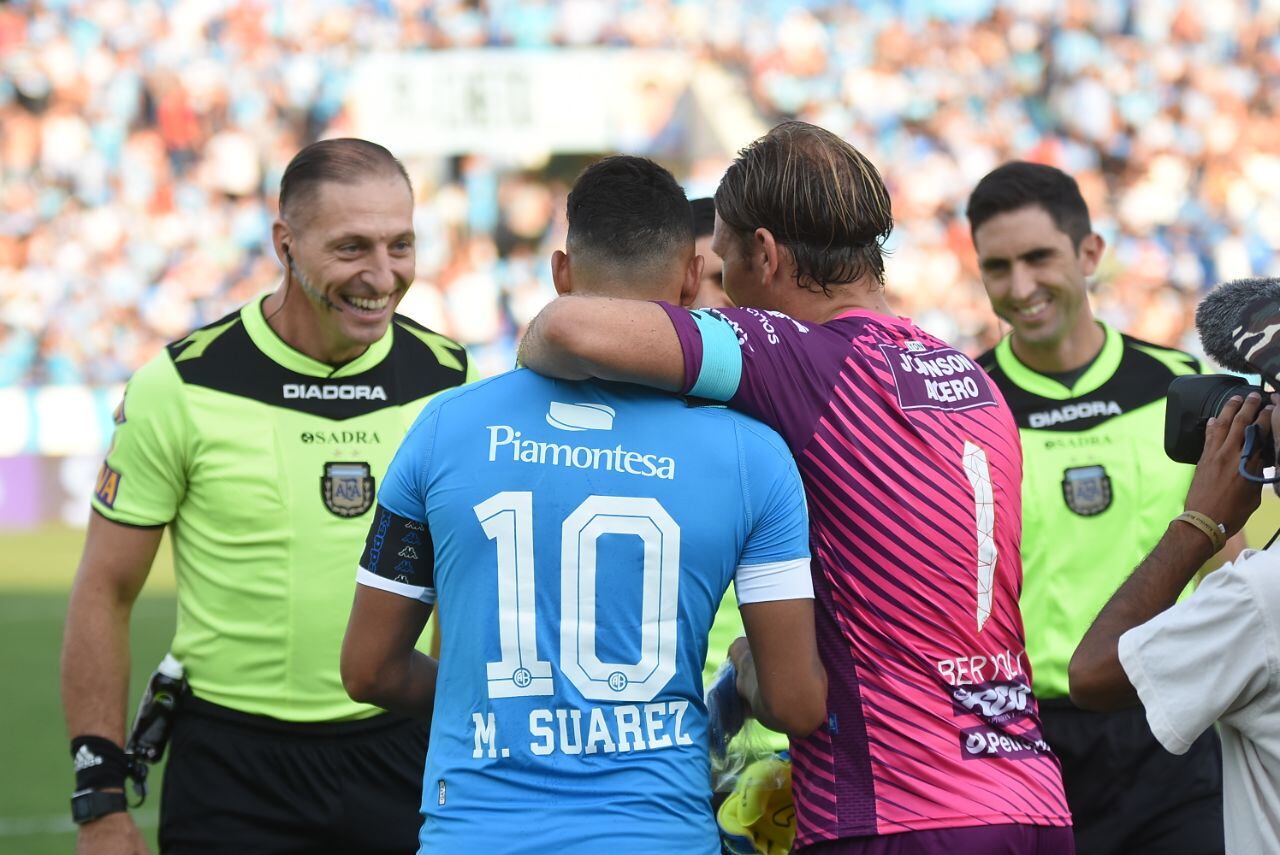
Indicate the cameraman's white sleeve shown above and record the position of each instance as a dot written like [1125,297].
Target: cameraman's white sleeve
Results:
[1208,656]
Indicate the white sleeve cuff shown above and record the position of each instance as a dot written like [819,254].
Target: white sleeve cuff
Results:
[780,580]
[413,592]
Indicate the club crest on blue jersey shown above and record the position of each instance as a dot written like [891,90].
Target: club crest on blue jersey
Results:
[1087,490]
[347,488]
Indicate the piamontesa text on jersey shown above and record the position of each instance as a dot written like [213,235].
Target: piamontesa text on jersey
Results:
[616,459]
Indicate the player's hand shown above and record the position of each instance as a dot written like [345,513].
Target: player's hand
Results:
[1217,489]
[113,834]
[745,664]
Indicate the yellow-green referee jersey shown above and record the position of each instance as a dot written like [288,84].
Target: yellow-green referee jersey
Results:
[1098,490]
[265,464]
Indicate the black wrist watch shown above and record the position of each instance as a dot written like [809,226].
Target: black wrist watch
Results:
[88,805]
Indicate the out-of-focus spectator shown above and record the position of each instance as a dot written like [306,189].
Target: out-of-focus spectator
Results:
[141,144]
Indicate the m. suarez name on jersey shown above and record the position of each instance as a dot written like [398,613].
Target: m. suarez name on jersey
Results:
[504,439]
[593,730]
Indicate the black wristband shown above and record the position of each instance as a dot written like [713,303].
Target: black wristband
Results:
[88,805]
[100,763]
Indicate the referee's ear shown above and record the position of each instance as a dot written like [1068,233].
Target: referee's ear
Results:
[561,273]
[281,238]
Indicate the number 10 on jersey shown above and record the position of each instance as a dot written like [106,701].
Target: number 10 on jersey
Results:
[507,519]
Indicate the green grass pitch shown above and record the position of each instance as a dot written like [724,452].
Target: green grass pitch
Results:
[36,569]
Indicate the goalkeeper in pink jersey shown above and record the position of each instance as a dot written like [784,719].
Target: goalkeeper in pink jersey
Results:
[912,468]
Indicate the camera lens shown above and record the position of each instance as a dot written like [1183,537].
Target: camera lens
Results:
[1191,403]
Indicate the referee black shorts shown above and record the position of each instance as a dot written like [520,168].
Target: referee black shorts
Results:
[242,784]
[1127,794]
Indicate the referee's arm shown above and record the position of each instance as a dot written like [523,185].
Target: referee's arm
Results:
[95,647]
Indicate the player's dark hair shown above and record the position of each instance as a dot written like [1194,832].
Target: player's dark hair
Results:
[341,161]
[819,196]
[628,213]
[1019,184]
[704,216]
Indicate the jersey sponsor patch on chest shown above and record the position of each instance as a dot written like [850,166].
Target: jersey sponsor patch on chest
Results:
[939,379]
[1087,490]
[332,392]
[1074,413]
[347,488]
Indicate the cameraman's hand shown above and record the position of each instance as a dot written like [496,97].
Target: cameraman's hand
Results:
[113,834]
[1217,490]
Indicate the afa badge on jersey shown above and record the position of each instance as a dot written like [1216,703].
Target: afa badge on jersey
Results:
[347,488]
[1087,490]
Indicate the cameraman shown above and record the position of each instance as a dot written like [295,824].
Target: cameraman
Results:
[1215,656]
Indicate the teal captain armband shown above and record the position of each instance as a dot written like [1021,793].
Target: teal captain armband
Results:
[721,370]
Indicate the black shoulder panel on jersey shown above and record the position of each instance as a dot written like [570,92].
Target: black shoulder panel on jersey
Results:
[222,356]
[1140,379]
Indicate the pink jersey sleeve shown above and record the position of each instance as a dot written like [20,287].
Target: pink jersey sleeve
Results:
[787,368]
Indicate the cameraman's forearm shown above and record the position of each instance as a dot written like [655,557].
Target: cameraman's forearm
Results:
[1098,681]
[95,662]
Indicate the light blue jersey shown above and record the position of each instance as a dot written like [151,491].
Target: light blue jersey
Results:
[579,538]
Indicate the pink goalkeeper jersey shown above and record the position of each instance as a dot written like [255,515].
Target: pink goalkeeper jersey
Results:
[913,468]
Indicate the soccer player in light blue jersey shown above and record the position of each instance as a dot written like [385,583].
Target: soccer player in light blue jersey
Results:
[577,538]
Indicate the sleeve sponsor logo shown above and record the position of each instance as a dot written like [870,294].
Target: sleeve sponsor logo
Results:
[107,486]
[347,488]
[939,379]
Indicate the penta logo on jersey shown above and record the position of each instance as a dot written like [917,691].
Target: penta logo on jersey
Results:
[616,459]
[333,392]
[1074,412]
[347,488]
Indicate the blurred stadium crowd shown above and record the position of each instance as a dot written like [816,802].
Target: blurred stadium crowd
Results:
[141,145]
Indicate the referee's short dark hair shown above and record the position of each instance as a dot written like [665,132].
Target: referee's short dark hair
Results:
[628,214]
[1020,184]
[342,161]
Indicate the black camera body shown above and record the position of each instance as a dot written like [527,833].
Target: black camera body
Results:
[1192,401]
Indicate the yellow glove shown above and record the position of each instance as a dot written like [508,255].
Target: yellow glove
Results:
[759,816]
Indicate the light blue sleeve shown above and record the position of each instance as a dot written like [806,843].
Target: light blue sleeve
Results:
[779,529]
[721,370]
[404,487]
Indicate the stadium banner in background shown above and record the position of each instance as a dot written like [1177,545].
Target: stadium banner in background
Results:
[52,441]
[526,104]
[37,490]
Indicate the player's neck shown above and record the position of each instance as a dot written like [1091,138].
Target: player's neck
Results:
[1072,352]
[818,308]
[294,322]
